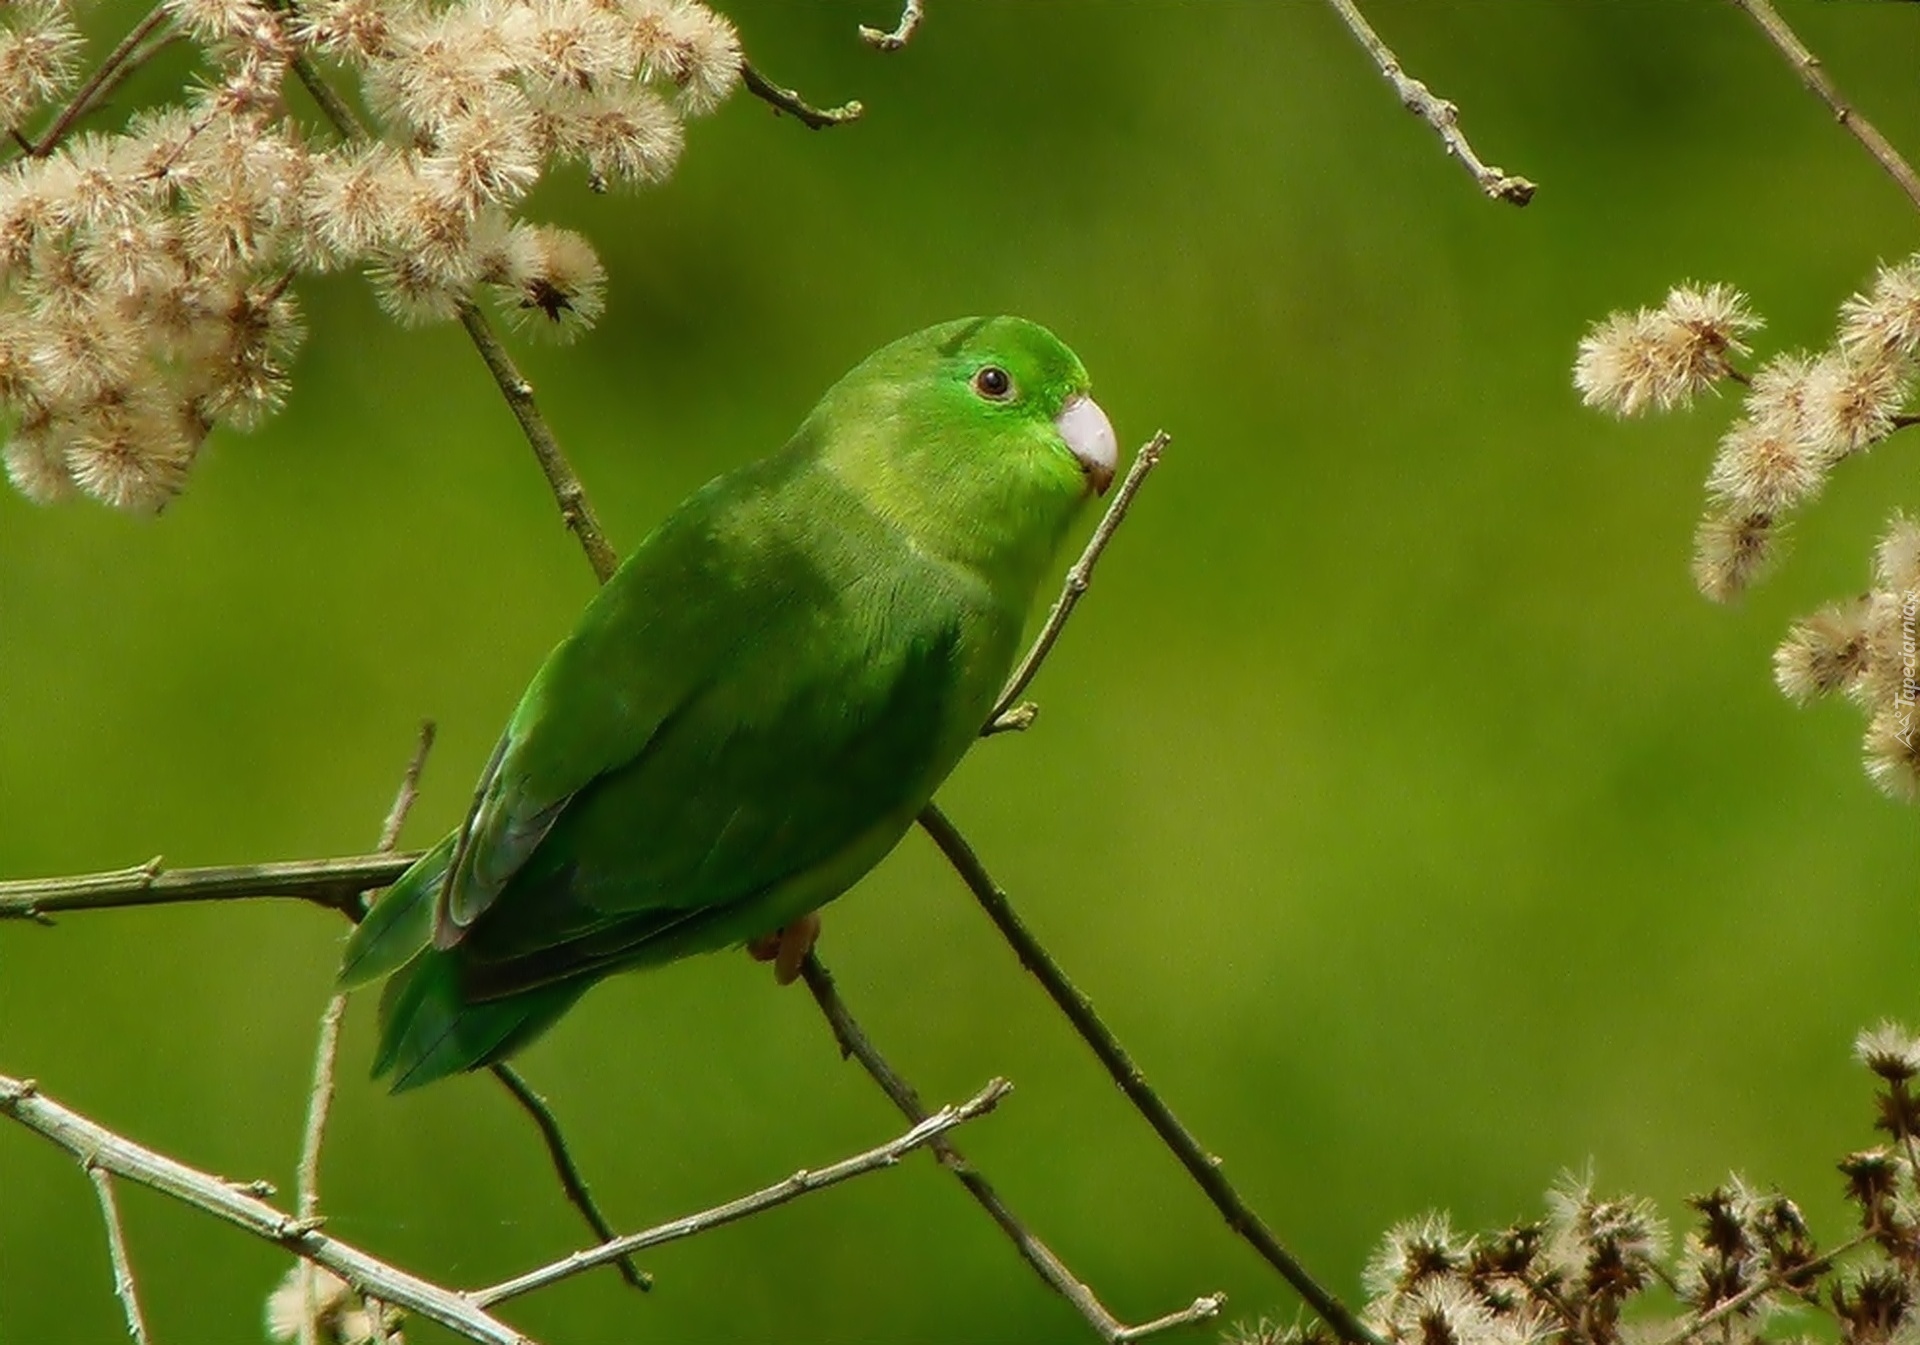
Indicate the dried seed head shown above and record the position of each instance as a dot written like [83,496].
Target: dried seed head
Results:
[129,452]
[566,45]
[39,52]
[554,277]
[1851,404]
[689,46]
[1414,1251]
[36,462]
[1661,357]
[1778,397]
[1730,551]
[1892,749]
[627,135]
[1612,1246]
[1761,470]
[1896,559]
[312,1297]
[354,200]
[484,155]
[1890,1051]
[438,66]
[354,30]
[1824,653]
[1443,1311]
[1885,321]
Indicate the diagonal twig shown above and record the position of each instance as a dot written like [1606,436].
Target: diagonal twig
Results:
[801,1183]
[1438,113]
[854,1042]
[564,1167]
[1078,1009]
[1008,714]
[123,1286]
[1814,75]
[575,509]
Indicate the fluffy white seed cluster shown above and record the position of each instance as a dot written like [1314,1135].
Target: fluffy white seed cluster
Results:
[1803,414]
[327,1306]
[1865,649]
[1661,358]
[145,275]
[1597,1270]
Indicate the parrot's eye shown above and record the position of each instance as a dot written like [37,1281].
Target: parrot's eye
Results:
[993,383]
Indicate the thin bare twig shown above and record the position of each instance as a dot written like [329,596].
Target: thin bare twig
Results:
[1437,112]
[1202,1166]
[783,99]
[910,15]
[336,884]
[327,1052]
[1008,714]
[854,1042]
[1814,75]
[571,1181]
[99,1148]
[562,480]
[799,1184]
[123,1286]
[307,1175]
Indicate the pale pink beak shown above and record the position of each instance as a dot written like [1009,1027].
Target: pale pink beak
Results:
[1089,435]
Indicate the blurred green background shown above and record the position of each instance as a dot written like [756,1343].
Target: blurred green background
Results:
[1397,799]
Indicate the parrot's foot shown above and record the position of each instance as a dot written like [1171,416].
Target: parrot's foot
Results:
[787,948]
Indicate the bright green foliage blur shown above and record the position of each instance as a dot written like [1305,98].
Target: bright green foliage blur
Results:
[1411,818]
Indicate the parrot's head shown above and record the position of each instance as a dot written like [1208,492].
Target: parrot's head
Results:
[982,435]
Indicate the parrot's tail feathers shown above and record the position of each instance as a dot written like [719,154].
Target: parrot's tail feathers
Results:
[399,924]
[428,1029]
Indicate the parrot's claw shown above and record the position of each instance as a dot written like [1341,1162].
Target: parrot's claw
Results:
[787,948]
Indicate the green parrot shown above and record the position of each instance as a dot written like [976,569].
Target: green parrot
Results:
[752,711]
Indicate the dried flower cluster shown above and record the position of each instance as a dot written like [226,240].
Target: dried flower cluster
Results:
[319,1300]
[1802,415]
[1599,1271]
[145,274]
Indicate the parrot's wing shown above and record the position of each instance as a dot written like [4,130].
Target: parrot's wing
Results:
[763,796]
[670,617]
[773,675]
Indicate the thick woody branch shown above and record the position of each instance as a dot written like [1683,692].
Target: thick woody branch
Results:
[102,1149]
[1437,112]
[1814,75]
[1204,1168]
[804,1182]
